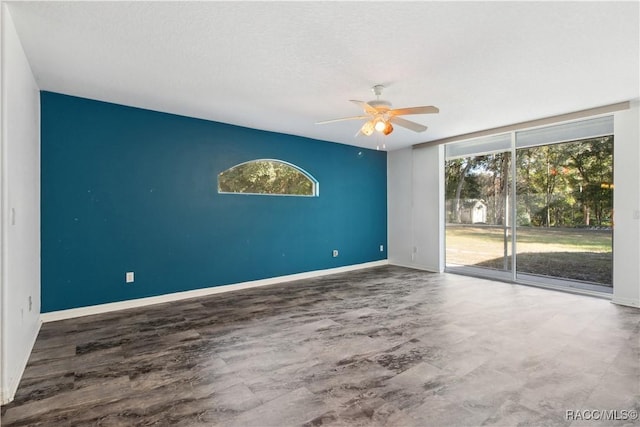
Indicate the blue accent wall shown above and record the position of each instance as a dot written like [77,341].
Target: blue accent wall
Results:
[127,189]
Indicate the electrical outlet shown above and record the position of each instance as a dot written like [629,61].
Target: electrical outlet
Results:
[335,253]
[129,277]
[381,248]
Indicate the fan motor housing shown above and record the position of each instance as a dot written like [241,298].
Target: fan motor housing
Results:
[380,104]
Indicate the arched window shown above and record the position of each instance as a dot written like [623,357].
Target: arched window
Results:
[267,177]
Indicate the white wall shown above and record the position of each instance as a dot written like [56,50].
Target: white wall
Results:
[415,222]
[399,206]
[626,206]
[415,197]
[20,209]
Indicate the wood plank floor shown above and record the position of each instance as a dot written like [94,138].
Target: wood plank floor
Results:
[386,346]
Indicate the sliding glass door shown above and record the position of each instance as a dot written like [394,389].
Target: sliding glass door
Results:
[557,191]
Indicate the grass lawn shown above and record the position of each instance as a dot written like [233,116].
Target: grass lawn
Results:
[577,254]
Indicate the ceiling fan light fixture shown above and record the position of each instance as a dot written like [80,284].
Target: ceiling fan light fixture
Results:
[387,129]
[380,125]
[367,128]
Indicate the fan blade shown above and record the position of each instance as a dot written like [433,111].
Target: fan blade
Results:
[416,127]
[366,107]
[342,119]
[414,110]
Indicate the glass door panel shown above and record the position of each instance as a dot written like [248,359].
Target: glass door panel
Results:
[477,212]
[565,213]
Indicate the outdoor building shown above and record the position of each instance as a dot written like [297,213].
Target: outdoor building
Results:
[474,211]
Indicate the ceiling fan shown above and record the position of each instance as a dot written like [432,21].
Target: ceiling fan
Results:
[380,116]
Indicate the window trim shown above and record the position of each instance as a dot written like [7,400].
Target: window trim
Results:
[577,115]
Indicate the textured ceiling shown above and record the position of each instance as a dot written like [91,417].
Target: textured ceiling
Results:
[282,66]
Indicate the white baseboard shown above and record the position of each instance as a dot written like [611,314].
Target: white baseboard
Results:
[141,302]
[8,391]
[626,301]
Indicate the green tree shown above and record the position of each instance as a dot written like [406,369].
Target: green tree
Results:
[593,161]
[568,184]
[558,185]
